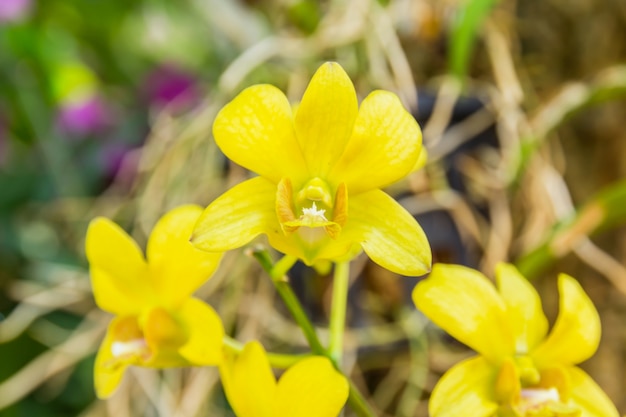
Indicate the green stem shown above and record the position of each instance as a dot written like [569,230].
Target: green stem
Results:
[288,296]
[277,271]
[280,268]
[603,211]
[358,403]
[277,360]
[338,311]
[609,84]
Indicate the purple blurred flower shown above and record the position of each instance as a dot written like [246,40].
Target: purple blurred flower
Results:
[84,117]
[14,10]
[120,161]
[173,87]
[112,157]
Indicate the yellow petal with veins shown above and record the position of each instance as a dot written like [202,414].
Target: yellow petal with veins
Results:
[464,303]
[576,334]
[119,273]
[249,382]
[205,333]
[256,130]
[387,233]
[466,389]
[237,216]
[311,388]
[384,147]
[588,396]
[528,322]
[325,118]
[178,268]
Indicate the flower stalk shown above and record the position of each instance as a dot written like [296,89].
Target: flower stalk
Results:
[338,311]
[277,360]
[286,293]
[277,271]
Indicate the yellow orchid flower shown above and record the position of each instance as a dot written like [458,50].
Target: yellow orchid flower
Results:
[520,370]
[157,323]
[310,388]
[321,167]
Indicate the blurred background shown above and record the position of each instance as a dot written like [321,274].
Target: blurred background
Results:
[106,109]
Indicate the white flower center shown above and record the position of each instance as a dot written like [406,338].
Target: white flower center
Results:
[313,215]
[131,347]
[536,398]
[521,347]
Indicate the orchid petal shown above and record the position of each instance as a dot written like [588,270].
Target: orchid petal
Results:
[108,372]
[388,233]
[384,147]
[311,388]
[177,267]
[309,244]
[325,118]
[576,334]
[249,382]
[528,322]
[256,131]
[205,330]
[422,159]
[466,389]
[588,396]
[119,274]
[465,304]
[237,216]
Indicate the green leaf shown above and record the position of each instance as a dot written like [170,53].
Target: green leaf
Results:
[464,30]
[605,210]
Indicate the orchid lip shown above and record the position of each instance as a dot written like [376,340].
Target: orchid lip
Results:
[539,396]
[131,347]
